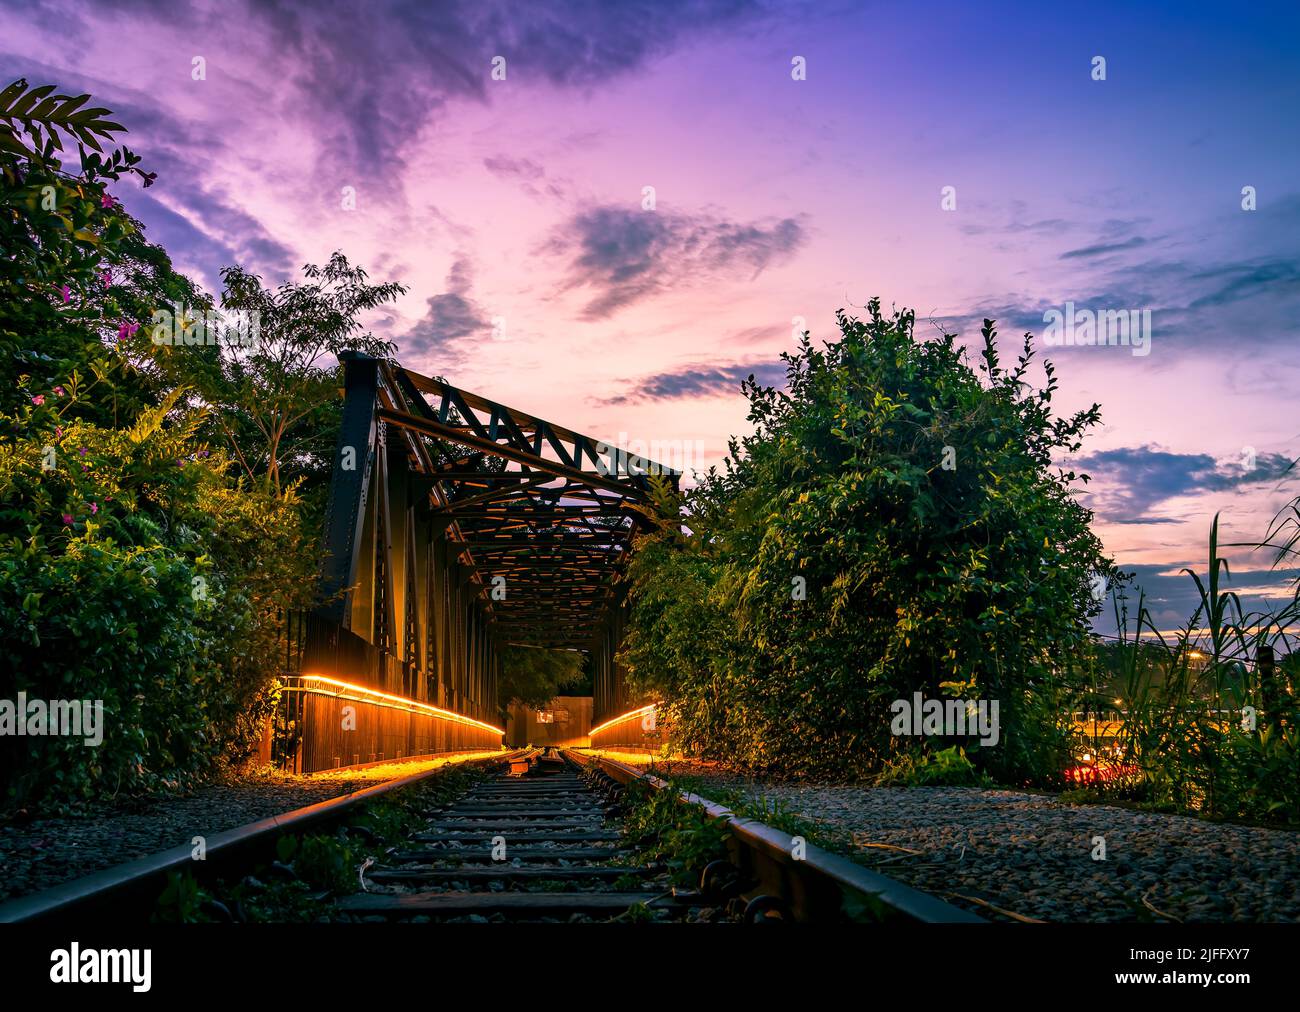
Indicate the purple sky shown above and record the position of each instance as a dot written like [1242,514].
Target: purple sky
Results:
[519,202]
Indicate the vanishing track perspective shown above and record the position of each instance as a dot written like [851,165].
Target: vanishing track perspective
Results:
[526,836]
[539,841]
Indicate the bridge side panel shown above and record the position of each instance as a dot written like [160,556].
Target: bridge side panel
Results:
[354,460]
[621,719]
[394,614]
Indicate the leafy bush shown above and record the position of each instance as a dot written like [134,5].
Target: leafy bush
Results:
[104,622]
[893,524]
[133,575]
[132,569]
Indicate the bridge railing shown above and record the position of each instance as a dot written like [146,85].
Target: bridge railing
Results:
[636,730]
[345,702]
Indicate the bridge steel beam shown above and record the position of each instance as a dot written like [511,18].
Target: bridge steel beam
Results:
[456,526]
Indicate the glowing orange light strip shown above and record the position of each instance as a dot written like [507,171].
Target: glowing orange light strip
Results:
[384,699]
[627,716]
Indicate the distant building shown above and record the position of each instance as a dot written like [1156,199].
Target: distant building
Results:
[565,720]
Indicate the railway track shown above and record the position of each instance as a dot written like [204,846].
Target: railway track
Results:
[540,841]
[534,837]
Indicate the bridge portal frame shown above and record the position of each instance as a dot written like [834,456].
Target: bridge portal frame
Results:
[456,525]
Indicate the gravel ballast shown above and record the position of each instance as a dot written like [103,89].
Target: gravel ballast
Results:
[1032,855]
[40,853]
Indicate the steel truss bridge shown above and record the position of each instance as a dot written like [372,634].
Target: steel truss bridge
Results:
[455,526]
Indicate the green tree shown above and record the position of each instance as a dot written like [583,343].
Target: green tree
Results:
[276,403]
[77,277]
[534,676]
[894,523]
[135,567]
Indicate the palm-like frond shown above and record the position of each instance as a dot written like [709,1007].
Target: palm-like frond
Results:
[43,115]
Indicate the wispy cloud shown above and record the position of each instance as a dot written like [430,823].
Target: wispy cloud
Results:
[371,79]
[1132,481]
[626,255]
[1104,249]
[452,316]
[529,175]
[513,168]
[692,381]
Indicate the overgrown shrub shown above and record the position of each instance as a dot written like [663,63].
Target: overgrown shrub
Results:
[130,572]
[893,524]
[133,568]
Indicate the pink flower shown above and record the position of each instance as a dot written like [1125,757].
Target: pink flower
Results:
[82,451]
[66,292]
[107,278]
[67,519]
[106,200]
[58,432]
[38,400]
[59,391]
[127,330]
[94,508]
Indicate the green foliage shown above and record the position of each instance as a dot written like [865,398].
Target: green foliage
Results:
[277,402]
[1188,701]
[133,569]
[77,280]
[947,768]
[534,676]
[42,115]
[182,901]
[106,623]
[130,572]
[327,862]
[970,579]
[667,829]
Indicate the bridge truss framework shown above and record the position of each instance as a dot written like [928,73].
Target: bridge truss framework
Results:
[456,526]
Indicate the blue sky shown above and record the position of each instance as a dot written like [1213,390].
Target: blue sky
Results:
[514,209]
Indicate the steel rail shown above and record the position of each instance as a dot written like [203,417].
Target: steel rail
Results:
[821,886]
[107,892]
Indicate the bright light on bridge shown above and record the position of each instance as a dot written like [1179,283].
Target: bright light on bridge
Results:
[361,694]
[624,716]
